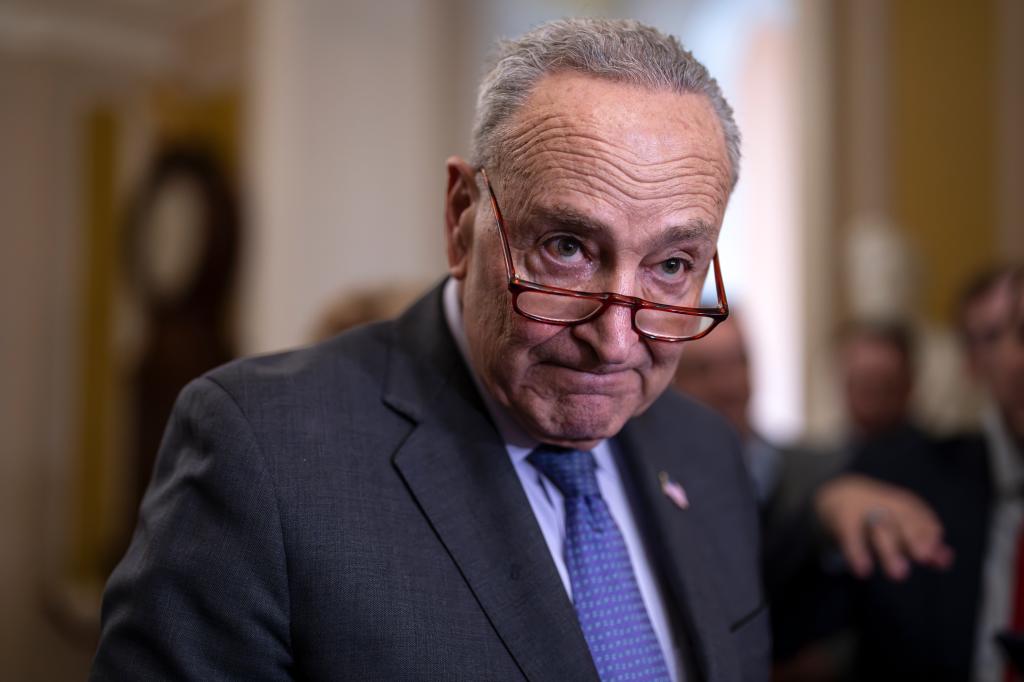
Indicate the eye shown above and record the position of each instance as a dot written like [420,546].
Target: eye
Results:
[674,266]
[565,247]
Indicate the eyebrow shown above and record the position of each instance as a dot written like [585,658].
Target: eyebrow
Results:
[569,217]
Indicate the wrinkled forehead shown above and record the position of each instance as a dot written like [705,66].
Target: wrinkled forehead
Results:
[615,147]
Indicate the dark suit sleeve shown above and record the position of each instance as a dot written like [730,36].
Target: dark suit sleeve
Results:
[202,592]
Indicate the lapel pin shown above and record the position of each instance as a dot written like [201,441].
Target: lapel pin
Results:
[673,491]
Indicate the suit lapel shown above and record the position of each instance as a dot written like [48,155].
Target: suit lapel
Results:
[677,541]
[455,466]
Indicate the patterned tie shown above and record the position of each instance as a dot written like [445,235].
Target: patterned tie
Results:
[608,602]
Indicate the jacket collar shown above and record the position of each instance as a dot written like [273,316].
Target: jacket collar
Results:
[678,540]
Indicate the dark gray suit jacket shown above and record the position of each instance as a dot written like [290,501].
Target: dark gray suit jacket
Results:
[348,511]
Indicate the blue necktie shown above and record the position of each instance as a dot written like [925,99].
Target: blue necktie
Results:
[608,602]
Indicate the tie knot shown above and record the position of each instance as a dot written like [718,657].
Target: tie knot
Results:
[572,471]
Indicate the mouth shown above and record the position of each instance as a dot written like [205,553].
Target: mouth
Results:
[600,380]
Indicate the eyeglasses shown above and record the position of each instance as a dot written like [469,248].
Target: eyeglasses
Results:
[566,307]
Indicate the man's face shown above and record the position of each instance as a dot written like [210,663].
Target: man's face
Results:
[995,325]
[608,177]
[715,370]
[877,382]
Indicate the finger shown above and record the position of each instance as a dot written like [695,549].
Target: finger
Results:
[944,557]
[840,511]
[937,555]
[920,531]
[885,542]
[854,545]
[923,539]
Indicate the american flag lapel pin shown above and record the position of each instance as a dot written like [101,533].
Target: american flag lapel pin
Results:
[673,491]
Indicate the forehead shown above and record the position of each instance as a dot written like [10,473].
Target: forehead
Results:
[992,307]
[866,350]
[610,148]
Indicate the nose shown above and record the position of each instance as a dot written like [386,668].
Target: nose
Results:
[610,335]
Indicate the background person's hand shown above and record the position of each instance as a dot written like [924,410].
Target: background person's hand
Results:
[870,519]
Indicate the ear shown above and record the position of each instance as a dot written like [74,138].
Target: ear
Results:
[460,203]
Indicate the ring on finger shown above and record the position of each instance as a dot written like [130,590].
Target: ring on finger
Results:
[876,516]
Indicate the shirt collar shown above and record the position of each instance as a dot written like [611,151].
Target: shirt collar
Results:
[518,443]
[1006,460]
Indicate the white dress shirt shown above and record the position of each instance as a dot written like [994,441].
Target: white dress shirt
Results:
[546,500]
[999,576]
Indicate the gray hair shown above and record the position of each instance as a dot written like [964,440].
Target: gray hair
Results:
[618,50]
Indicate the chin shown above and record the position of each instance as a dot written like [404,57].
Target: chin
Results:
[582,418]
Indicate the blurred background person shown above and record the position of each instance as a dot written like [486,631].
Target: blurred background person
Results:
[942,622]
[877,372]
[813,603]
[991,320]
[369,305]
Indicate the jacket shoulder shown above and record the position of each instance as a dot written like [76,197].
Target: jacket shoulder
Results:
[674,410]
[309,406]
[354,360]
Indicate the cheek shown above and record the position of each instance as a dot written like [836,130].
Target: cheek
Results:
[489,332]
[485,295]
[509,344]
[664,362]
[665,356]
[526,344]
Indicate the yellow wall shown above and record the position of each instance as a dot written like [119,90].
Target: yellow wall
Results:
[97,385]
[942,114]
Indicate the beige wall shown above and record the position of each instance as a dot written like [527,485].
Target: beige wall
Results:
[942,107]
[36,264]
[56,68]
[349,131]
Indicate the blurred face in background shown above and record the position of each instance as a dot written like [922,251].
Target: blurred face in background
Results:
[626,187]
[994,327]
[876,382]
[716,371]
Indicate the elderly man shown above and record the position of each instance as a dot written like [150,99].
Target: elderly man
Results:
[493,486]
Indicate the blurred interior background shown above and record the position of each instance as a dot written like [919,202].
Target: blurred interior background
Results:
[184,181]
